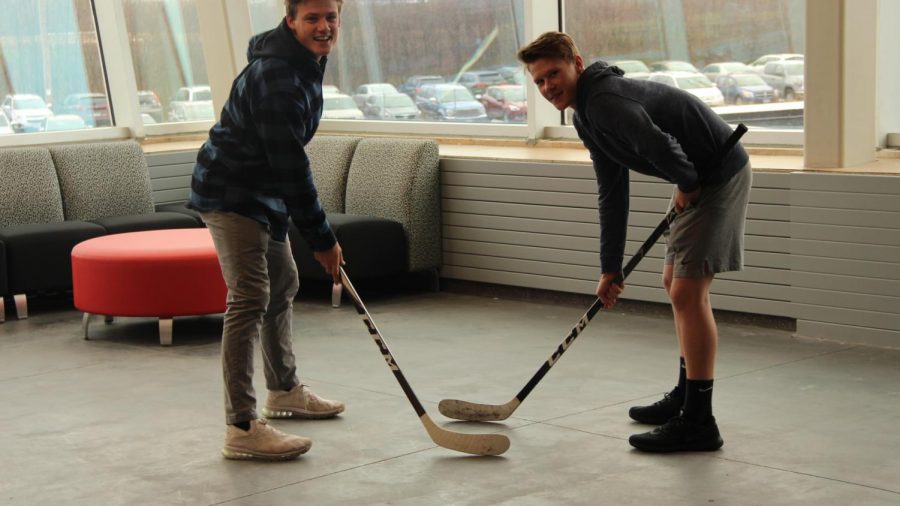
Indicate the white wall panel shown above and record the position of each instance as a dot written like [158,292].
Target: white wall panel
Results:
[812,241]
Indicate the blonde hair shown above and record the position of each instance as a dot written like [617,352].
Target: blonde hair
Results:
[290,7]
[549,45]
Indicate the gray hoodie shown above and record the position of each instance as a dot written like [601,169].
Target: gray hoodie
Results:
[651,128]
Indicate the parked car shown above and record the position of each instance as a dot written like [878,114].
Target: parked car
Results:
[93,108]
[759,64]
[364,91]
[477,81]
[150,105]
[61,122]
[391,107]
[192,103]
[26,113]
[340,106]
[694,83]
[330,89]
[506,102]
[512,74]
[634,69]
[714,70]
[786,77]
[5,128]
[672,66]
[745,89]
[414,84]
[450,102]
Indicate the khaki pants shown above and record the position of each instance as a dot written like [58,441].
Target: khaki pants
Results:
[262,282]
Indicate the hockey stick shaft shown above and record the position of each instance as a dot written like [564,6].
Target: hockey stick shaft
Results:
[638,256]
[379,340]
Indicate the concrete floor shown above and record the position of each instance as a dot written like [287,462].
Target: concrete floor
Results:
[121,420]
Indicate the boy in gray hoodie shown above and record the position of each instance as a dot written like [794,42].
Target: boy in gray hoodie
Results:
[251,176]
[667,133]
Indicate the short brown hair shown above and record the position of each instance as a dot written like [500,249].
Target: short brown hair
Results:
[290,7]
[549,45]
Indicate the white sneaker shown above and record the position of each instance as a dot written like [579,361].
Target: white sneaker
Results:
[300,402]
[263,442]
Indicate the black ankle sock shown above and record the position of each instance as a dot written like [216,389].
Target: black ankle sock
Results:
[682,377]
[242,425]
[698,400]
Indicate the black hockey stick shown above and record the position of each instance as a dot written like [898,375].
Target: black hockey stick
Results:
[477,444]
[464,410]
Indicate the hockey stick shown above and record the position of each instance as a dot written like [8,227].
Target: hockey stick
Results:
[476,444]
[471,411]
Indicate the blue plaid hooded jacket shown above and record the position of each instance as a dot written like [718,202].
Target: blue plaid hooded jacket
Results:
[254,162]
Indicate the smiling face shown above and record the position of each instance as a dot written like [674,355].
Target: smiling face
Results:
[316,25]
[557,79]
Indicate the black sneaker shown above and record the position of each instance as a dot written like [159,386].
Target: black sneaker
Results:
[680,435]
[660,411]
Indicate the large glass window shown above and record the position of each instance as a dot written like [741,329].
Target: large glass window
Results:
[51,76]
[168,61]
[453,60]
[745,59]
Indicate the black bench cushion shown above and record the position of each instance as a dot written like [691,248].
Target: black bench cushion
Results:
[3,284]
[179,207]
[39,256]
[372,247]
[149,221]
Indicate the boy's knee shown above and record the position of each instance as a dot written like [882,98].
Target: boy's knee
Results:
[687,295]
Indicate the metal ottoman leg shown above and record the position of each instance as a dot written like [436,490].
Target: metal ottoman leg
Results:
[21,305]
[85,323]
[165,331]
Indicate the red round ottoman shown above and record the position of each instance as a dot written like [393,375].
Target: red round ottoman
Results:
[159,273]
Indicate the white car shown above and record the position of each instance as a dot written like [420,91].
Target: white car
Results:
[26,113]
[4,124]
[340,106]
[62,122]
[759,64]
[634,69]
[364,91]
[192,103]
[694,83]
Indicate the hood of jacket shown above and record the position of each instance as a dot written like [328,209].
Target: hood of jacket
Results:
[280,43]
[596,71]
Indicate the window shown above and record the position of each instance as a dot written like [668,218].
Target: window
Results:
[50,67]
[469,43]
[721,37]
[168,60]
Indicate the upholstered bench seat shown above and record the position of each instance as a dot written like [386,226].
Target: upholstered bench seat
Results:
[372,247]
[157,273]
[40,253]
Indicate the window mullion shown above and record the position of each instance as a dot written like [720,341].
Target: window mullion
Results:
[120,74]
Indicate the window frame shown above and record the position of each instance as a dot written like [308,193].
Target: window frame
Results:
[544,122]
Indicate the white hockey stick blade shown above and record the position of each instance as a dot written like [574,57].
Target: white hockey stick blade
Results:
[474,412]
[474,444]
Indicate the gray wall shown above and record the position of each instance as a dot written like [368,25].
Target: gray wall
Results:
[821,248]
[170,175]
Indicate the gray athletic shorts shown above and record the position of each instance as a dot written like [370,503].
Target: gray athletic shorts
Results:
[708,236]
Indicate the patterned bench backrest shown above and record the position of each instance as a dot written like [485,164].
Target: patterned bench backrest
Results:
[100,180]
[29,188]
[398,179]
[329,157]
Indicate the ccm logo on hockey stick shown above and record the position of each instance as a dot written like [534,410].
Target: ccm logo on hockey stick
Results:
[582,323]
[385,353]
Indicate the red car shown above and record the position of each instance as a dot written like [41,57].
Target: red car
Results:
[506,102]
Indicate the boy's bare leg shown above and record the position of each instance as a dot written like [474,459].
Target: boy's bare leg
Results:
[696,325]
